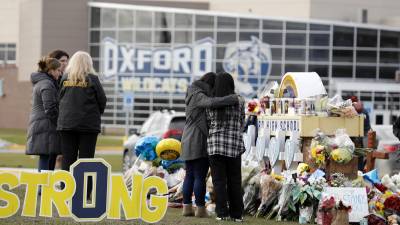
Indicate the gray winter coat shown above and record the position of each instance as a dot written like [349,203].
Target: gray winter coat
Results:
[43,139]
[195,133]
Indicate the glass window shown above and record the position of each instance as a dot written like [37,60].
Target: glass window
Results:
[294,68]
[319,39]
[162,36]
[322,70]
[183,37]
[204,22]
[125,18]
[366,38]
[318,55]
[2,55]
[3,45]
[226,22]
[94,36]
[366,56]
[272,25]
[295,54]
[387,72]
[390,39]
[276,69]
[125,36]
[276,54]
[272,38]
[295,39]
[107,33]
[390,57]
[143,36]
[246,36]
[162,20]
[342,56]
[219,67]
[295,26]
[342,71]
[366,72]
[319,27]
[249,24]
[204,34]
[143,19]
[11,55]
[226,37]
[95,17]
[343,36]
[183,20]
[11,46]
[220,52]
[95,51]
[108,18]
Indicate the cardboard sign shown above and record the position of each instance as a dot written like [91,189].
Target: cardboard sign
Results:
[356,197]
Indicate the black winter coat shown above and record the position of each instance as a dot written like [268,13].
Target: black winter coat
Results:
[194,137]
[43,138]
[81,105]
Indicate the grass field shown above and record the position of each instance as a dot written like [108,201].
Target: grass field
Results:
[18,136]
[17,160]
[172,217]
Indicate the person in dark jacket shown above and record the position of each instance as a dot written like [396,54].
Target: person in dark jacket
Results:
[43,139]
[194,141]
[225,147]
[82,101]
[63,58]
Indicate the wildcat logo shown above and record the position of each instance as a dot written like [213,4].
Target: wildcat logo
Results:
[249,62]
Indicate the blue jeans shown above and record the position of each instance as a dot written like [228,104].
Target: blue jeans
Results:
[47,162]
[195,181]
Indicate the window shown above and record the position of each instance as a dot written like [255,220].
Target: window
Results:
[378,119]
[322,70]
[366,38]
[226,23]
[7,53]
[295,54]
[390,57]
[342,56]
[183,21]
[319,27]
[143,19]
[390,39]
[319,39]
[366,56]
[125,19]
[163,20]
[95,17]
[249,24]
[295,26]
[387,72]
[108,18]
[272,38]
[343,36]
[318,55]
[342,71]
[272,25]
[226,37]
[366,72]
[295,39]
[204,22]
[294,68]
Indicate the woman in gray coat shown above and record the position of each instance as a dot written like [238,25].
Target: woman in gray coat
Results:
[194,141]
[43,138]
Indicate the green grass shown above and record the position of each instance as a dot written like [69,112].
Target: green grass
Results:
[18,136]
[172,217]
[17,160]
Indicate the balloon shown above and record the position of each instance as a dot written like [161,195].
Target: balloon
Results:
[169,149]
[145,147]
[172,165]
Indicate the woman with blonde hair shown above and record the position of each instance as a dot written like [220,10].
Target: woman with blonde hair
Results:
[43,138]
[82,101]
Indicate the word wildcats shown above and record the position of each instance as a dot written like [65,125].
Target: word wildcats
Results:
[109,194]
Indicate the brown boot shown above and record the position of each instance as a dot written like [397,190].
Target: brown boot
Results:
[201,212]
[187,210]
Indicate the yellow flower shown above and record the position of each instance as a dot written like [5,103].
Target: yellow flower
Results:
[314,152]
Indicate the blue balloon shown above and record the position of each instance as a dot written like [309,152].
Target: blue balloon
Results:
[166,164]
[372,176]
[146,146]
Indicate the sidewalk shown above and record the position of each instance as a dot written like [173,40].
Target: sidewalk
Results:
[99,151]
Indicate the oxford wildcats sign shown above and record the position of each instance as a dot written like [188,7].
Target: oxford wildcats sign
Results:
[171,70]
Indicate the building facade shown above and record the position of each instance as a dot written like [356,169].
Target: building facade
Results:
[152,54]
[148,52]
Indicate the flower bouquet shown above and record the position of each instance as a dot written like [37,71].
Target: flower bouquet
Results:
[345,147]
[320,148]
[270,188]
[325,210]
[304,197]
[392,204]
[342,213]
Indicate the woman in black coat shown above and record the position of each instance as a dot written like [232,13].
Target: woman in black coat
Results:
[43,139]
[194,141]
[82,101]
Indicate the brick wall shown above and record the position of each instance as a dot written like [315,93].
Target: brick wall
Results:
[15,104]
